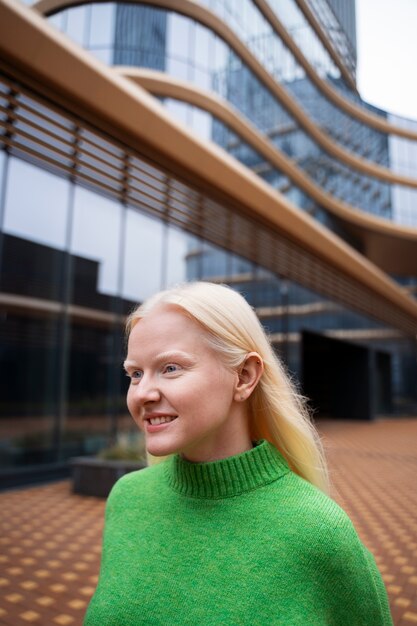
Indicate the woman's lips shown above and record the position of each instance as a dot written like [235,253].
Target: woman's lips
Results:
[160,423]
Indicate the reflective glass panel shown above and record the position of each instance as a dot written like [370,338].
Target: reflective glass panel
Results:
[180,256]
[95,240]
[178,36]
[143,256]
[29,387]
[77,24]
[102,25]
[94,392]
[58,20]
[35,224]
[105,55]
[201,123]
[2,166]
[30,332]
[178,110]
[37,209]
[202,46]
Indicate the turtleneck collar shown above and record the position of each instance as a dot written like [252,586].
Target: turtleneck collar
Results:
[228,477]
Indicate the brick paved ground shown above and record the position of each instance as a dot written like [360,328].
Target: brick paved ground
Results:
[374,473]
[50,539]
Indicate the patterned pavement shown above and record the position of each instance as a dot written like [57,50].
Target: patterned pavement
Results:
[374,474]
[50,538]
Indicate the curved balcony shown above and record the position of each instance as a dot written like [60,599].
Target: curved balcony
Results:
[350,175]
[290,242]
[288,72]
[319,16]
[391,246]
[322,71]
[252,21]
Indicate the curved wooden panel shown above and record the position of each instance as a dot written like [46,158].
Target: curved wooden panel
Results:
[346,105]
[305,9]
[210,20]
[34,49]
[160,84]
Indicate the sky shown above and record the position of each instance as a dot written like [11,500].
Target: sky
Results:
[387,54]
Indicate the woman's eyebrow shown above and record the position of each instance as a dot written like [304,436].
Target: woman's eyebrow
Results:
[173,354]
[128,364]
[163,356]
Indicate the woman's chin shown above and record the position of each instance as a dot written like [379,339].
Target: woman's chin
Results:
[160,449]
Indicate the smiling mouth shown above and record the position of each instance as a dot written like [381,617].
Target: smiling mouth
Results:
[155,421]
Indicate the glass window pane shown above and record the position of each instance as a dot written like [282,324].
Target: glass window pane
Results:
[37,209]
[29,387]
[201,46]
[221,55]
[94,388]
[178,110]
[178,259]
[29,363]
[140,36]
[96,237]
[178,36]
[143,252]
[57,20]
[2,166]
[105,55]
[102,25]
[177,69]
[201,123]
[76,24]
[215,263]
[202,78]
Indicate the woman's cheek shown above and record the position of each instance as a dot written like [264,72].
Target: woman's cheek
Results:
[130,403]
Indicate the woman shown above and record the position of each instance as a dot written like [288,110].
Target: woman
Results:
[234,527]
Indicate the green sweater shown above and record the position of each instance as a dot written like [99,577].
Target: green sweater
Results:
[240,541]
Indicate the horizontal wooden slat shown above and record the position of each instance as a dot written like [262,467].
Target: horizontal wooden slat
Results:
[89,158]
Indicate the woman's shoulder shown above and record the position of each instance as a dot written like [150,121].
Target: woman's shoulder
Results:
[317,517]
[324,531]
[300,492]
[323,539]
[136,483]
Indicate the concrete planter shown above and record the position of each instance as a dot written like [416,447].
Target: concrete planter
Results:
[95,477]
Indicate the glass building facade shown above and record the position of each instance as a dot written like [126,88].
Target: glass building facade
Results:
[89,228]
[188,50]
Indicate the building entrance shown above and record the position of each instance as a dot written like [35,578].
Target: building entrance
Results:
[344,380]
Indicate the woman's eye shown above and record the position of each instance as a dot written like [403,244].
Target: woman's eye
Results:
[171,368]
[136,375]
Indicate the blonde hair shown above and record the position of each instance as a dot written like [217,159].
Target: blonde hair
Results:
[277,412]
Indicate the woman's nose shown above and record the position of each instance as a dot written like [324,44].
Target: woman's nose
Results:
[147,390]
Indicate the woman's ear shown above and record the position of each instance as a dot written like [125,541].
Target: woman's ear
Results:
[249,374]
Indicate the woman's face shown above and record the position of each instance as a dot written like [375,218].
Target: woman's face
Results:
[180,394]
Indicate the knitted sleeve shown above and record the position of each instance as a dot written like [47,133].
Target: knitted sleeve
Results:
[102,609]
[380,591]
[355,591]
